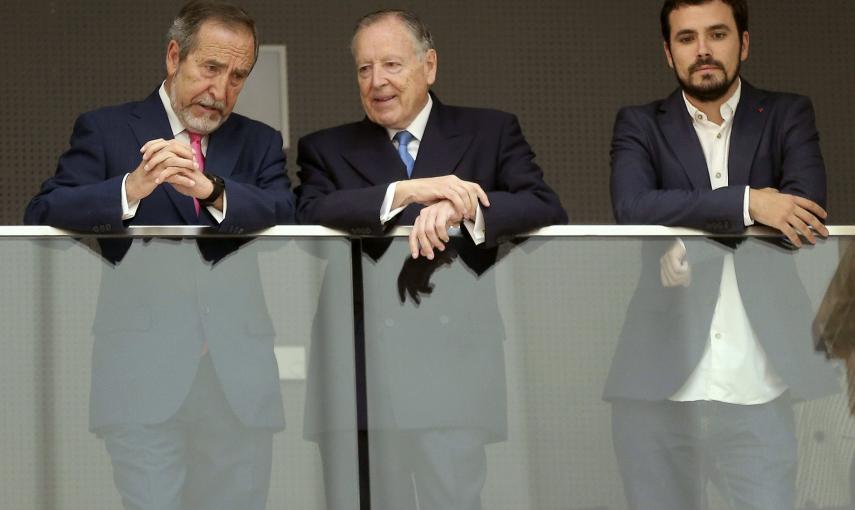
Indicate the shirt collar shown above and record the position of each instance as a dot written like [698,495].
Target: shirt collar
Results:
[417,127]
[174,123]
[728,109]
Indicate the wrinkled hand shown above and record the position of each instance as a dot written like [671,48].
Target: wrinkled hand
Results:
[463,195]
[790,214]
[430,230]
[674,270]
[415,275]
[167,161]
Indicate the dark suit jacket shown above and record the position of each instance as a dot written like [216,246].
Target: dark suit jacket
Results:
[659,176]
[344,172]
[439,363]
[158,306]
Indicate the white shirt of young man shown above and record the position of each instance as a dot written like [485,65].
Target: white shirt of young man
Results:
[475,228]
[734,368]
[179,132]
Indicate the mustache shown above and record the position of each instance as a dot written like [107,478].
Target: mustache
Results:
[209,102]
[706,62]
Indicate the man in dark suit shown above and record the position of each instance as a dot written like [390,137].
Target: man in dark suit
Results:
[436,384]
[716,342]
[185,388]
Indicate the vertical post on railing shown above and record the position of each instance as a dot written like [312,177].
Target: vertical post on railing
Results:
[43,383]
[360,375]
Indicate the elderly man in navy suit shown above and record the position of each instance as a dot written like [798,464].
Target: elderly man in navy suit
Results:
[185,388]
[436,382]
[716,343]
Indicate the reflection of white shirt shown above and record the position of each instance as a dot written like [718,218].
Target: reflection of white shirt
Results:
[179,132]
[734,367]
[476,229]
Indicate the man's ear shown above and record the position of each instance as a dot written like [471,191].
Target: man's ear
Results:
[743,54]
[430,66]
[666,46]
[173,57]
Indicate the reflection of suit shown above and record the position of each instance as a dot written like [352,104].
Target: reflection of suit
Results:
[148,338]
[439,365]
[660,176]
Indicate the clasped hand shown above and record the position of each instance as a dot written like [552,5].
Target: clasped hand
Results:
[167,161]
[448,200]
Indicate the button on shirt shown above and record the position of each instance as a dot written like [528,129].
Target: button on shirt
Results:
[734,368]
[417,128]
[179,132]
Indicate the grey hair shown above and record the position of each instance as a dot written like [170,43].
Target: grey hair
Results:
[190,18]
[418,30]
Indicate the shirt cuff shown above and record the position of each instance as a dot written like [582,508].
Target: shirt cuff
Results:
[385,213]
[746,218]
[477,229]
[129,209]
[218,215]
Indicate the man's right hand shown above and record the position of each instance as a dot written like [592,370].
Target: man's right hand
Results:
[162,161]
[674,269]
[463,195]
[790,214]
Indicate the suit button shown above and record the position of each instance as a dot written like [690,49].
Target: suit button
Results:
[443,319]
[390,323]
[206,310]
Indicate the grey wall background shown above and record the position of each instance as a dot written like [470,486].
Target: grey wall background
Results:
[563,66]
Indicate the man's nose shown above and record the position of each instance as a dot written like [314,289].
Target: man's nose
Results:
[218,87]
[378,77]
[703,47]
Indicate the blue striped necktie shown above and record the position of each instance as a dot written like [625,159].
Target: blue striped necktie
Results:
[404,138]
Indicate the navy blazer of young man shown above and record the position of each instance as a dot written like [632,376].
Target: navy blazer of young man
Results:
[439,364]
[660,176]
[158,305]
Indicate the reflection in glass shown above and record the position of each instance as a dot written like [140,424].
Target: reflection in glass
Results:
[715,349]
[567,308]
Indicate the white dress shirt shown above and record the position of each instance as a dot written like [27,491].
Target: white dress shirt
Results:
[179,132]
[734,368]
[476,229]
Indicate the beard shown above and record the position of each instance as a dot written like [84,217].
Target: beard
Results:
[710,88]
[203,125]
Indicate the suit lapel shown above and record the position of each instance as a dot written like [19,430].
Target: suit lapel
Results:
[222,155]
[374,157]
[149,122]
[748,126]
[677,127]
[442,146]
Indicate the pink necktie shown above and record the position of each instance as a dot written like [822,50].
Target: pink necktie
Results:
[196,144]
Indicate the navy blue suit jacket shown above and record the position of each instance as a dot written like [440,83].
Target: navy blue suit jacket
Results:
[344,172]
[162,302]
[659,176]
[441,363]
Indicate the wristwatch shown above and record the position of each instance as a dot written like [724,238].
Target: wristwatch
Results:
[219,187]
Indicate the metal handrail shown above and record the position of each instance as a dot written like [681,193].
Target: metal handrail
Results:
[16,231]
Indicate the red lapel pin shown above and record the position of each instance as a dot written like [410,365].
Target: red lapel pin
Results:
[760,110]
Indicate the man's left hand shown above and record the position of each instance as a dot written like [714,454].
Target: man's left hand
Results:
[430,230]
